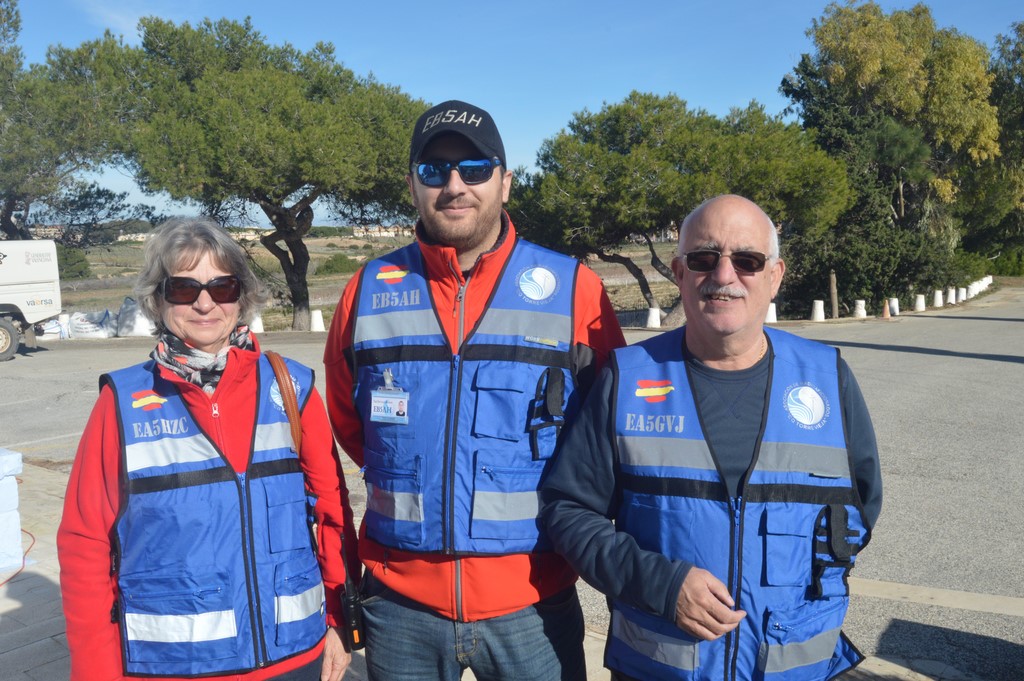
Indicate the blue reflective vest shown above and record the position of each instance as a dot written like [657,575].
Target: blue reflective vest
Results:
[784,547]
[459,471]
[215,570]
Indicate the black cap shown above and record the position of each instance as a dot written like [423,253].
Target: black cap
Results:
[461,118]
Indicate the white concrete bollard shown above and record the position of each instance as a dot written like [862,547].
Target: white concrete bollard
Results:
[859,309]
[316,320]
[894,307]
[256,325]
[770,317]
[937,299]
[919,303]
[961,295]
[818,311]
[654,318]
[972,290]
[10,522]
[951,296]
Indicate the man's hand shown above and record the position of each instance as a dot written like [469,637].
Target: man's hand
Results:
[704,607]
[336,658]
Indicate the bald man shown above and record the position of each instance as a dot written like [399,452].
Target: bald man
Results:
[721,478]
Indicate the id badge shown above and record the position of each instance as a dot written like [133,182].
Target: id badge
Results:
[389,406]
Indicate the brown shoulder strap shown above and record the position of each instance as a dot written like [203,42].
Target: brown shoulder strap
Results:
[291,404]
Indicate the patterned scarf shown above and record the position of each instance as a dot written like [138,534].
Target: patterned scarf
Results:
[195,366]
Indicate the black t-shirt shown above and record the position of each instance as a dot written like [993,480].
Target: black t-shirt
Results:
[731,406]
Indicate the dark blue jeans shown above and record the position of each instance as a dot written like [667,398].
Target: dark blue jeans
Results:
[408,642]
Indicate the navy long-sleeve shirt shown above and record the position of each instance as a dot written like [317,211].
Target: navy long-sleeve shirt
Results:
[582,495]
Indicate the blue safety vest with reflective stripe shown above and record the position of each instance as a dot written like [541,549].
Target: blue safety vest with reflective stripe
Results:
[784,547]
[459,473]
[215,569]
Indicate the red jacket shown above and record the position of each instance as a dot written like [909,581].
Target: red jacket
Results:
[490,585]
[94,498]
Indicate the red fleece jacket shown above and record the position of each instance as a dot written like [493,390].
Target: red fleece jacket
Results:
[94,498]
[490,585]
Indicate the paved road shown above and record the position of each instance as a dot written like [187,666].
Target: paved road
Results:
[942,580]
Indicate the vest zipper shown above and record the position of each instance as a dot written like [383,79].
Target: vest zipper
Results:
[451,448]
[732,644]
[259,651]
[454,396]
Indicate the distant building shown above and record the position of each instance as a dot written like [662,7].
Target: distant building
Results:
[47,231]
[384,232]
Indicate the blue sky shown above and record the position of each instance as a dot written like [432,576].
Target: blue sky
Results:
[531,64]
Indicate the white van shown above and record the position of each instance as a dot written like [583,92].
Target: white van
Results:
[29,291]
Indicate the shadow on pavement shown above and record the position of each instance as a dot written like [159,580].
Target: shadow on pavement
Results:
[983,657]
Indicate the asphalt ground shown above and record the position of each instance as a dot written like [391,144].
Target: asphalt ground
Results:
[938,594]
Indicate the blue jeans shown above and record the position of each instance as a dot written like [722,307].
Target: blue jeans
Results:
[406,641]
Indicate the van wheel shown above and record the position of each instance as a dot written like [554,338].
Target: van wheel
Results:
[9,339]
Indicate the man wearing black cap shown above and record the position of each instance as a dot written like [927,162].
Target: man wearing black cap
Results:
[489,344]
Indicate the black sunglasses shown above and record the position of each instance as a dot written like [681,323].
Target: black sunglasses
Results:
[472,171]
[706,260]
[186,290]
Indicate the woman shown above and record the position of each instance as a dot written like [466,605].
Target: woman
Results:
[185,547]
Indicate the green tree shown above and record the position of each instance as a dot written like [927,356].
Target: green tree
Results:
[906,107]
[50,131]
[72,263]
[216,115]
[636,168]
[993,210]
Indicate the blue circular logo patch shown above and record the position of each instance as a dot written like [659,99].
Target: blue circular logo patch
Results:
[538,284]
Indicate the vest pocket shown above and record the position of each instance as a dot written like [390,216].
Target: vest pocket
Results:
[658,526]
[394,501]
[800,642]
[287,517]
[299,602]
[787,546]
[501,402]
[506,500]
[179,617]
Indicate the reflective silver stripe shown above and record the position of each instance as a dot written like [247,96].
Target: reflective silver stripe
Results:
[206,626]
[273,436]
[300,606]
[506,505]
[665,451]
[782,457]
[667,650]
[165,451]
[391,324]
[522,323]
[398,505]
[780,658]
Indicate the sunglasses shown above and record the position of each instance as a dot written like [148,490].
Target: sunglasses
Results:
[706,260]
[186,290]
[472,171]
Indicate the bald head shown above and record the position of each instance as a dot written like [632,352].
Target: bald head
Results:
[728,208]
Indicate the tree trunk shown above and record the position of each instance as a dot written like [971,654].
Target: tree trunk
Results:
[8,226]
[290,226]
[656,261]
[634,269]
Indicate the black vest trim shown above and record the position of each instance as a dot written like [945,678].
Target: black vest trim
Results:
[800,494]
[267,469]
[515,353]
[675,487]
[403,353]
[162,483]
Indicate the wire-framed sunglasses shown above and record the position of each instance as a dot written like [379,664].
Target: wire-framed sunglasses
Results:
[706,260]
[186,290]
[472,171]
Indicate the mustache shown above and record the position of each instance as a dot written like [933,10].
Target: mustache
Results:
[708,289]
